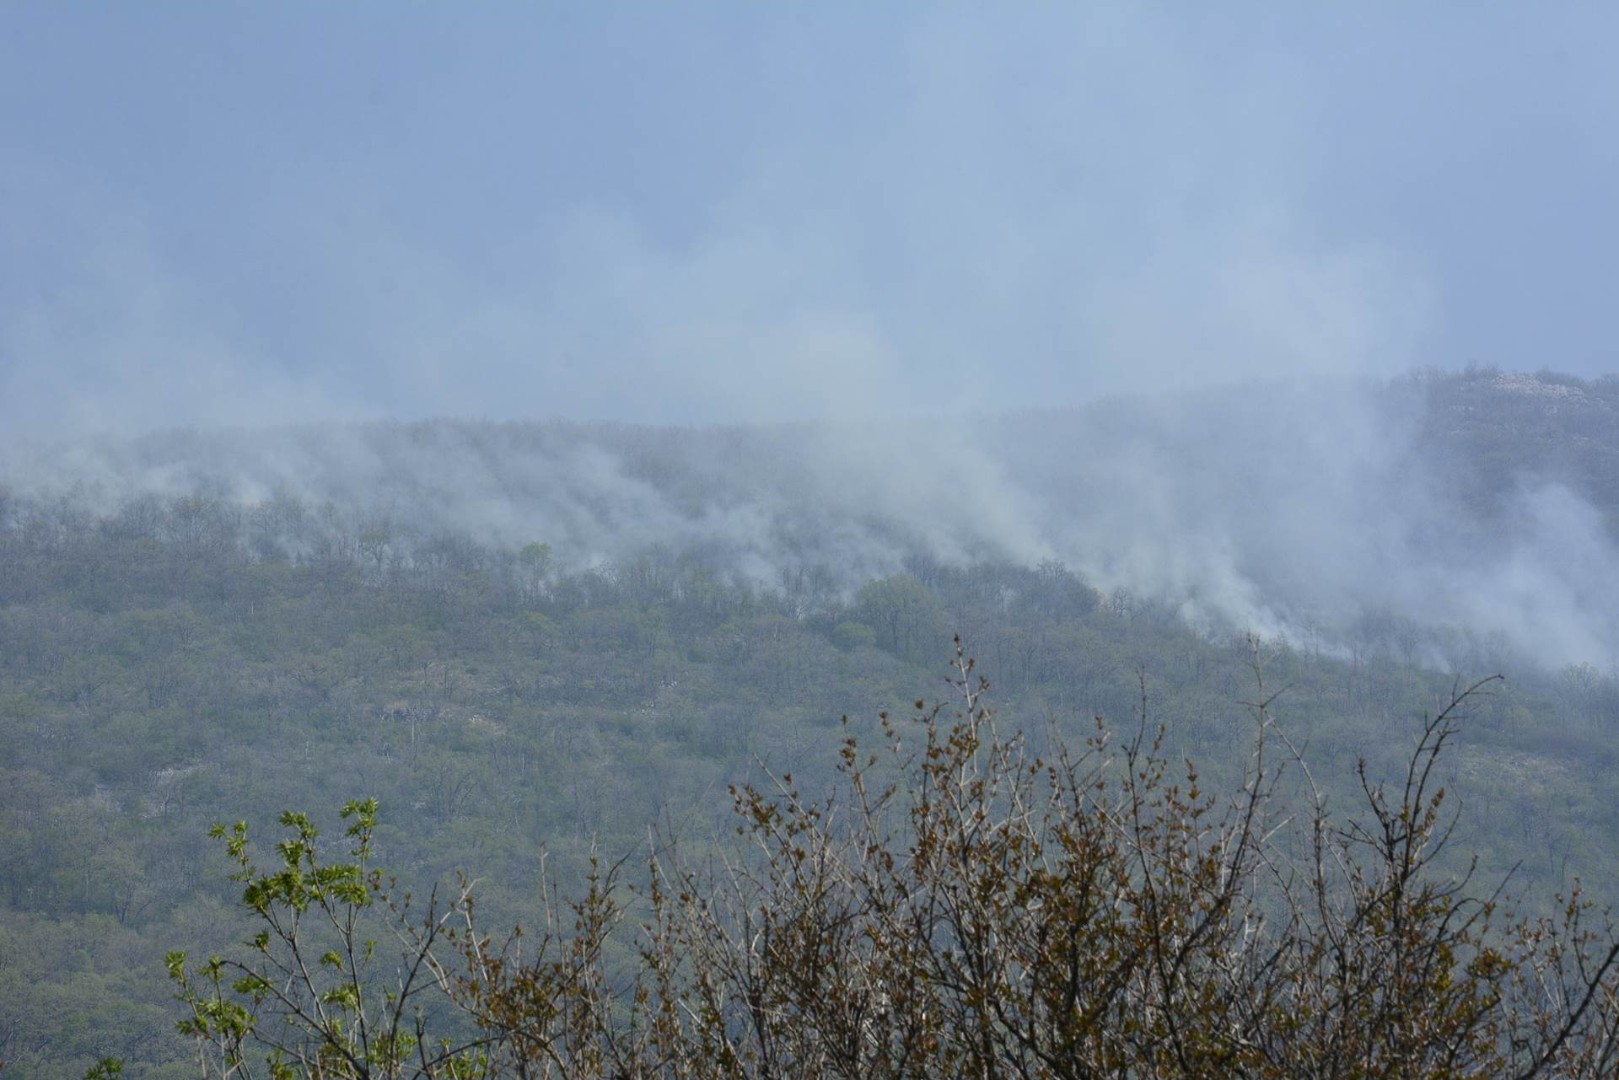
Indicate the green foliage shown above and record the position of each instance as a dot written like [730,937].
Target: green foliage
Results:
[306,999]
[853,635]
[106,1069]
[905,616]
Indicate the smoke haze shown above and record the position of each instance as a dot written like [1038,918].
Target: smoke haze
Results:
[254,216]
[985,278]
[1316,512]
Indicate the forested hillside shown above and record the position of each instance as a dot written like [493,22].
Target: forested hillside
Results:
[531,641]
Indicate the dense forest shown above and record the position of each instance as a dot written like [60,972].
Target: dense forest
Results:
[533,642]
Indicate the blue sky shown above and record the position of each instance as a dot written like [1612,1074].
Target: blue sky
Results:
[249,213]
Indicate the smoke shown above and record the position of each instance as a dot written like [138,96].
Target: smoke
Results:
[987,211]
[1298,510]
[1320,511]
[976,283]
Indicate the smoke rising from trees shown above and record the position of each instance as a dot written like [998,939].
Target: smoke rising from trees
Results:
[1326,513]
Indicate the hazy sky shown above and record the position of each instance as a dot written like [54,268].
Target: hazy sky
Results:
[229,213]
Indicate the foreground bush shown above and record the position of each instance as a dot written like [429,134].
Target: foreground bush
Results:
[957,907]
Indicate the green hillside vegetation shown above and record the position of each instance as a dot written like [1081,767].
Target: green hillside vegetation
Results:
[1495,428]
[167,663]
[958,905]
